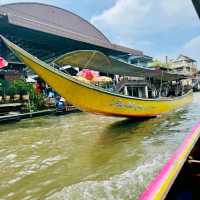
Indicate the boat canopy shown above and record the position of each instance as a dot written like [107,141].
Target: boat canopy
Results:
[98,61]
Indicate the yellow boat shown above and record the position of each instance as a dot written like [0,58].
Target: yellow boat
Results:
[93,99]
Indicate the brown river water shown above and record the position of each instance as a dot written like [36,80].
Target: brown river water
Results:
[88,157]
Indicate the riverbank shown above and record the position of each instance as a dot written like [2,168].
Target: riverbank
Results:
[14,116]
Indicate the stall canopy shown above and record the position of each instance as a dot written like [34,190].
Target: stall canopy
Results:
[98,61]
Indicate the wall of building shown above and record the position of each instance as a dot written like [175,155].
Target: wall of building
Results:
[184,65]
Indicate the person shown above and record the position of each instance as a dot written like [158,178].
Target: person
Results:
[51,94]
[60,105]
[38,88]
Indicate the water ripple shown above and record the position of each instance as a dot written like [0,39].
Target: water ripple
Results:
[85,157]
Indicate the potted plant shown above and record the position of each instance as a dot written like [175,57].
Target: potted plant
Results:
[22,88]
[10,92]
[25,95]
[7,98]
[1,95]
[16,96]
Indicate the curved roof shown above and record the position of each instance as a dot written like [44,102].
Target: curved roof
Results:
[34,24]
[100,62]
[51,19]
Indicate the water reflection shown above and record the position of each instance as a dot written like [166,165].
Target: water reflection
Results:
[126,125]
[143,126]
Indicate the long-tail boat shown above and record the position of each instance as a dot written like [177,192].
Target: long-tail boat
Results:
[179,179]
[97,100]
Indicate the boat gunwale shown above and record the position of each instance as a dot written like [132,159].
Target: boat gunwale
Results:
[173,166]
[93,87]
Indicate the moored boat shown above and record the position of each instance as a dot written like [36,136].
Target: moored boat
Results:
[180,177]
[97,100]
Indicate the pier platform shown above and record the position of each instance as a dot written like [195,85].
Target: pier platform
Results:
[8,107]
[12,117]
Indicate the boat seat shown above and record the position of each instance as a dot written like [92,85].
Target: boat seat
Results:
[194,167]
[191,161]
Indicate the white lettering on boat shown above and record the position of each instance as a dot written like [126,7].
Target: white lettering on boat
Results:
[127,105]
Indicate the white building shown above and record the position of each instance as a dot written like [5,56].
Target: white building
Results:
[184,64]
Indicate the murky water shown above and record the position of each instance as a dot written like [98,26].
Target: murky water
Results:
[83,156]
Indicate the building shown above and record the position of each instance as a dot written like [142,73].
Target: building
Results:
[47,32]
[184,64]
[187,66]
[15,70]
[196,82]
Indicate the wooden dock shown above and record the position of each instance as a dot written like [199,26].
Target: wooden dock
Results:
[18,116]
[13,117]
[10,107]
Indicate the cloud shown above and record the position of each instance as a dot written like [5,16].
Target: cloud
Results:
[124,12]
[128,16]
[192,48]
[157,27]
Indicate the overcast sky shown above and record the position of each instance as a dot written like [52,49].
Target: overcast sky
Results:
[157,27]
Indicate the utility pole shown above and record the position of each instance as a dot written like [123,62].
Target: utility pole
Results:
[166,60]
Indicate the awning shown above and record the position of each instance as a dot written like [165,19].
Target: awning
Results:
[98,61]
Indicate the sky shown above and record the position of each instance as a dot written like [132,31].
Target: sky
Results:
[157,27]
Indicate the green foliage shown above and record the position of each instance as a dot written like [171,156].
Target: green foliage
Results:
[4,83]
[11,90]
[23,88]
[36,100]
[158,64]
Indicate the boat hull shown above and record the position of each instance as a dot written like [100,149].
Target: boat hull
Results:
[93,99]
[178,179]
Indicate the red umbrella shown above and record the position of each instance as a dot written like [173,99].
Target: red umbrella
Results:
[88,74]
[3,63]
